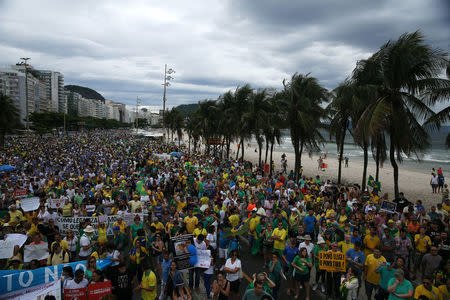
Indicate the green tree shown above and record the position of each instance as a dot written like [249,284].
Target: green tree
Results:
[304,97]
[404,71]
[9,118]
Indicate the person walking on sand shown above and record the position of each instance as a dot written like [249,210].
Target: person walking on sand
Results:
[434,183]
[346,161]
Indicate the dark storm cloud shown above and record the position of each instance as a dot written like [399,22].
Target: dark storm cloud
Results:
[120,49]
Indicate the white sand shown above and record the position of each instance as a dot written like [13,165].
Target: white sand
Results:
[415,185]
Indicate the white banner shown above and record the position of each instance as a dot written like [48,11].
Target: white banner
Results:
[56,203]
[36,292]
[17,239]
[29,204]
[203,259]
[6,249]
[38,252]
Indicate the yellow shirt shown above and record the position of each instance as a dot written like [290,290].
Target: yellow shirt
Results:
[159,227]
[445,293]
[67,210]
[371,264]
[198,231]
[252,225]
[64,245]
[422,243]
[204,201]
[122,226]
[181,205]
[434,294]
[446,207]
[16,216]
[148,281]
[279,245]
[370,242]
[190,223]
[58,259]
[102,235]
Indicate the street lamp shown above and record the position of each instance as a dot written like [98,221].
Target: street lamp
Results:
[25,59]
[138,101]
[166,83]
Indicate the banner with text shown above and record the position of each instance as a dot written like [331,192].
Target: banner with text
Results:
[97,290]
[182,255]
[332,261]
[56,203]
[13,280]
[36,292]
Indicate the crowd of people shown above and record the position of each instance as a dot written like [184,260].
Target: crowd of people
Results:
[233,208]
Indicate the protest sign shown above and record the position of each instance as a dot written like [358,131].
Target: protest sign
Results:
[75,294]
[98,290]
[13,280]
[36,292]
[203,259]
[6,249]
[17,239]
[73,223]
[38,252]
[332,261]
[56,203]
[388,206]
[103,218]
[182,255]
[20,193]
[29,204]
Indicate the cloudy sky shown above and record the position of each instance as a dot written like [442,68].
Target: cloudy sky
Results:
[119,48]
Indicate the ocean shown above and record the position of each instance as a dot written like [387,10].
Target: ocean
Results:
[436,156]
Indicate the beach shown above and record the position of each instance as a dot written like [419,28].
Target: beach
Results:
[415,185]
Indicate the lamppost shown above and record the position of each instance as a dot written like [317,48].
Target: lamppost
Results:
[166,83]
[138,101]
[25,59]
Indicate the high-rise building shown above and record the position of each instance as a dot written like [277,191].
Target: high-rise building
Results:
[55,91]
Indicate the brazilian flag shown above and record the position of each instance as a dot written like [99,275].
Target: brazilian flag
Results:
[371,181]
[376,185]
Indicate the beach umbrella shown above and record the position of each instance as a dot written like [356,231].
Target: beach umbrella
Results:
[176,153]
[7,168]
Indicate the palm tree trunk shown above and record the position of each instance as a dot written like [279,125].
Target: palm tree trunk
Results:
[237,151]
[2,139]
[394,166]
[300,162]
[296,153]
[228,148]
[189,144]
[366,159]
[377,163]
[242,149]
[271,158]
[267,150]
[341,154]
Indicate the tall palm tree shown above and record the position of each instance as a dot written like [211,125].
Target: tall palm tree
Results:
[304,97]
[404,71]
[9,118]
[256,117]
[240,106]
[340,111]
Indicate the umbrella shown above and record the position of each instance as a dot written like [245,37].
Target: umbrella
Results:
[7,168]
[176,153]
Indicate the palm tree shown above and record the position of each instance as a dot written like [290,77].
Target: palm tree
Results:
[275,122]
[404,71]
[340,111]
[9,118]
[256,117]
[240,106]
[177,123]
[304,97]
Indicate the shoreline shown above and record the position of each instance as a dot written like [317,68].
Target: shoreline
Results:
[414,184]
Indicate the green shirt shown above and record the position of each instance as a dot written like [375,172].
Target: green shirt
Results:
[275,276]
[386,276]
[316,250]
[299,263]
[401,289]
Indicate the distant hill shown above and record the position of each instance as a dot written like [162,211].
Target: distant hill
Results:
[187,109]
[85,92]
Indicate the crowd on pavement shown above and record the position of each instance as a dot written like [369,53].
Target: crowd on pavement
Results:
[233,208]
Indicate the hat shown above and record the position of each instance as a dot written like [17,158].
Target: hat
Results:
[320,240]
[390,221]
[6,225]
[89,229]
[307,237]
[399,272]
[254,209]
[295,209]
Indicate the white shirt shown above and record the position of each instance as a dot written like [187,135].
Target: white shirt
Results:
[199,246]
[308,247]
[71,284]
[85,241]
[229,265]
[72,244]
[212,238]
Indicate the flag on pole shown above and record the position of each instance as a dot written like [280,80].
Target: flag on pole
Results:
[371,181]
